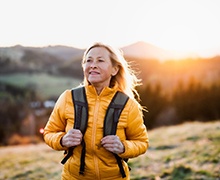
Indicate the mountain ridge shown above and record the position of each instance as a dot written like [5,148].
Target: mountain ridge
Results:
[65,60]
[139,49]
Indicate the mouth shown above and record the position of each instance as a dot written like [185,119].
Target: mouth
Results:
[93,72]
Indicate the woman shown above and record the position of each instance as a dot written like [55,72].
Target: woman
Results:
[105,73]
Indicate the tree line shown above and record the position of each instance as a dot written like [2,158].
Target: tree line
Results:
[14,107]
[190,101]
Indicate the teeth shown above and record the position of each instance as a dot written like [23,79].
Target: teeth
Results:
[93,73]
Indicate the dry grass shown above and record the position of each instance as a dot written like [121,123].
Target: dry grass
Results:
[187,151]
[30,162]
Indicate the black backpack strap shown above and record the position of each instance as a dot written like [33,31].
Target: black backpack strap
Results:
[111,121]
[80,122]
[80,109]
[113,113]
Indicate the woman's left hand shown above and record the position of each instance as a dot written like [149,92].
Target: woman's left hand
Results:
[112,143]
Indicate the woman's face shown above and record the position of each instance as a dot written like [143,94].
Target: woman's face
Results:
[98,68]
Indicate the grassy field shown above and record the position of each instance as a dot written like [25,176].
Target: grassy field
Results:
[187,151]
[45,85]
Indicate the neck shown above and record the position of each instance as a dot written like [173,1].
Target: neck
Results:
[98,90]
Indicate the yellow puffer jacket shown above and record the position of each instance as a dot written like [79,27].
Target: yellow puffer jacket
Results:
[100,163]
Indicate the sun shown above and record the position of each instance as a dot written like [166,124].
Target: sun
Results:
[184,26]
[181,38]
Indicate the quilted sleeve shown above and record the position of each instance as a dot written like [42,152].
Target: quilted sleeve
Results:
[55,127]
[137,141]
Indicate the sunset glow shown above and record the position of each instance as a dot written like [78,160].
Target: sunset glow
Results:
[184,26]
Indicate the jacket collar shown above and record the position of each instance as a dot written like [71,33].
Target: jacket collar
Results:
[90,89]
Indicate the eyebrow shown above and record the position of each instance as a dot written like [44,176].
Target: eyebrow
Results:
[97,57]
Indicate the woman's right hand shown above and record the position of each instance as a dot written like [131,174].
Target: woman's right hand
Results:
[72,138]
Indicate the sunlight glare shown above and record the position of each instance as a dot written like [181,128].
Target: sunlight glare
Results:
[183,26]
[186,26]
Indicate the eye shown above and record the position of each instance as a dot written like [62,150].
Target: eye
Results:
[101,60]
[88,60]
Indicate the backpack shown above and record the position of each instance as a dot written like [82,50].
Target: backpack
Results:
[113,113]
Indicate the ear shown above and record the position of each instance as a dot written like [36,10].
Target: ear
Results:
[115,70]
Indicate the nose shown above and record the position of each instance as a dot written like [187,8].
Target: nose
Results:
[93,64]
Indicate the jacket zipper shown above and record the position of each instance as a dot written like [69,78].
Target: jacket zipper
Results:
[94,136]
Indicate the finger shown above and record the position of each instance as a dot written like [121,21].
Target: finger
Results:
[112,144]
[113,149]
[73,142]
[72,138]
[75,133]
[109,139]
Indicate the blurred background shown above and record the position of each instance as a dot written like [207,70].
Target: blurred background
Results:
[174,46]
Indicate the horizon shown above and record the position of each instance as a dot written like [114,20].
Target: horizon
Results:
[171,54]
[186,27]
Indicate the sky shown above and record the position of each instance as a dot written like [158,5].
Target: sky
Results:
[191,26]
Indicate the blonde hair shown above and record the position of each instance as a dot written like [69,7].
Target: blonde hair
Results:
[125,78]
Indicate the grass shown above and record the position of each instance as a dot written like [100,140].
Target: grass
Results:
[182,152]
[46,85]
[187,151]
[30,162]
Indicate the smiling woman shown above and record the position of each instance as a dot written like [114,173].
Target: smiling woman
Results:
[98,68]
[185,26]
[97,154]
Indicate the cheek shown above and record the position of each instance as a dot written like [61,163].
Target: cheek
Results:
[85,69]
[85,72]
[105,67]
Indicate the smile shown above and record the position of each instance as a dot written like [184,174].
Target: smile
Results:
[93,72]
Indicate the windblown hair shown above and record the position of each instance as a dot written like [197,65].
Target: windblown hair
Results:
[125,78]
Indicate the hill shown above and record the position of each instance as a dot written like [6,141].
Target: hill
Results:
[56,60]
[64,52]
[143,50]
[187,151]
[144,58]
